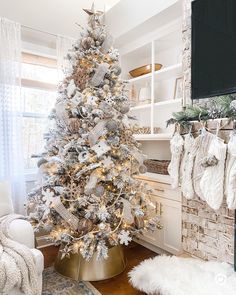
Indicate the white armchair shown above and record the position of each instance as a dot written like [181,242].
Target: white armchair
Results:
[21,231]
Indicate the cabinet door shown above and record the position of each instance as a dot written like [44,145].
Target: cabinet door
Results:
[171,217]
[169,237]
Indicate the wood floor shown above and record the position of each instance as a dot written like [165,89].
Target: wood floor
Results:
[118,285]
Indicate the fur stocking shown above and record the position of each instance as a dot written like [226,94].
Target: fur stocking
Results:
[176,147]
[212,182]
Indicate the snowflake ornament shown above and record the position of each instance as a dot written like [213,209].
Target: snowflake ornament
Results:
[107,162]
[124,237]
[48,197]
[91,100]
[103,214]
[101,148]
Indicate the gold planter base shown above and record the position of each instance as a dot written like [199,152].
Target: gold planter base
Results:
[77,268]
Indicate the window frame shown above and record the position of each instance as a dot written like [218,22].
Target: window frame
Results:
[39,60]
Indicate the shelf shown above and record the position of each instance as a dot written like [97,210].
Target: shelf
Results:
[141,107]
[163,74]
[167,102]
[143,77]
[150,137]
[156,104]
[169,72]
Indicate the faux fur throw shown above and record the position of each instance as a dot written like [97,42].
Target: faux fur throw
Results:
[166,275]
[17,265]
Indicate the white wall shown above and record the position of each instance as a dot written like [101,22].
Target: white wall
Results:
[128,14]
[54,16]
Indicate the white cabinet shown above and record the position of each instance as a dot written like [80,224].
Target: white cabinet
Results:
[168,204]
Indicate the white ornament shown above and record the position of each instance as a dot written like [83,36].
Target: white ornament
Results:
[83,156]
[91,100]
[106,45]
[101,148]
[124,237]
[48,197]
[77,98]
[71,88]
[107,162]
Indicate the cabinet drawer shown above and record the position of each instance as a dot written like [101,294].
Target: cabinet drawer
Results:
[165,190]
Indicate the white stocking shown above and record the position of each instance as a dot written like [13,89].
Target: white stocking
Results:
[176,147]
[212,182]
[230,182]
[202,144]
[187,167]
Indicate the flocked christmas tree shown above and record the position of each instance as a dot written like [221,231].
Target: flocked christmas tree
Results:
[89,199]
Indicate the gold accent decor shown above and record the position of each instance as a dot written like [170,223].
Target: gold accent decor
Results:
[77,268]
[144,70]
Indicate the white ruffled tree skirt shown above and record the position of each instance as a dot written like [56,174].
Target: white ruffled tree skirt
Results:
[183,276]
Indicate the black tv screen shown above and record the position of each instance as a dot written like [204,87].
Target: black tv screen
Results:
[213,48]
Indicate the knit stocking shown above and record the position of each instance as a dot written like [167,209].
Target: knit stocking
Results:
[212,182]
[230,182]
[176,147]
[202,144]
[187,167]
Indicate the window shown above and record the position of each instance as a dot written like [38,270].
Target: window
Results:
[39,80]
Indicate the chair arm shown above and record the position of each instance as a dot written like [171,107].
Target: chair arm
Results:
[22,232]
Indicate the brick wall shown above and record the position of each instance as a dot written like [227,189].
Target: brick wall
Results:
[206,234]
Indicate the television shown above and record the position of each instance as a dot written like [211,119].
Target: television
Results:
[213,48]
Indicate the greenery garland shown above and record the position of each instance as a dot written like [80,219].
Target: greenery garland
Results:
[215,108]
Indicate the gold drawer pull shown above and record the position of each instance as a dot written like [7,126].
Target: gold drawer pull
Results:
[160,190]
[161,209]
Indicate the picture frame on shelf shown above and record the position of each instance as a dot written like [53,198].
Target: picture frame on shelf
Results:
[178,91]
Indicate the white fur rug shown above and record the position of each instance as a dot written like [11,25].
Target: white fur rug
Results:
[183,276]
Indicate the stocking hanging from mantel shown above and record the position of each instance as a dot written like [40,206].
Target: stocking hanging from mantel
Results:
[212,181]
[230,175]
[176,147]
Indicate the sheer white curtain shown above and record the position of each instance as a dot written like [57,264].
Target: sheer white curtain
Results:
[63,45]
[11,154]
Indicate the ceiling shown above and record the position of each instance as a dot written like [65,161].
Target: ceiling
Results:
[54,16]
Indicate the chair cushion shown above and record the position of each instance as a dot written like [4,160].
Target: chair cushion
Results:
[6,206]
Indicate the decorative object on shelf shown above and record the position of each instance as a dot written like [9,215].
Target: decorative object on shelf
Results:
[89,171]
[133,96]
[157,166]
[218,107]
[178,92]
[77,268]
[145,130]
[145,94]
[144,70]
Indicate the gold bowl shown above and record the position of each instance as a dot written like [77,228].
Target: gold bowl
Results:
[144,70]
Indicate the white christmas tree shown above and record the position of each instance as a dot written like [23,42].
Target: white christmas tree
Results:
[91,157]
